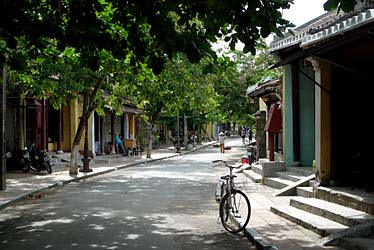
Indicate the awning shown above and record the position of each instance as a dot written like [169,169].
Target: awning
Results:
[269,86]
[132,110]
[296,56]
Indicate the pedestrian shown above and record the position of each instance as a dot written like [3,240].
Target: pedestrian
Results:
[221,140]
[119,143]
[250,134]
[242,134]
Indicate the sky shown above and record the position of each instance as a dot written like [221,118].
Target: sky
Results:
[303,11]
[300,12]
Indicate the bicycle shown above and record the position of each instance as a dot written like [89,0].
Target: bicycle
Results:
[234,208]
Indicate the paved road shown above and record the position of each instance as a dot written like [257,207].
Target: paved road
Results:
[164,205]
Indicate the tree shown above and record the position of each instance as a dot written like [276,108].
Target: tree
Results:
[344,5]
[164,94]
[62,78]
[150,29]
[233,74]
[142,31]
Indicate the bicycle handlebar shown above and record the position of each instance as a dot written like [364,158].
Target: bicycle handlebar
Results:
[217,161]
[227,165]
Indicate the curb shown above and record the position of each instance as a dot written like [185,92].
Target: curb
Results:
[258,240]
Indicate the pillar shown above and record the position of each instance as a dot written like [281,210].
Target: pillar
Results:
[260,134]
[322,121]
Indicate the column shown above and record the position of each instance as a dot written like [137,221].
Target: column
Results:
[260,134]
[322,121]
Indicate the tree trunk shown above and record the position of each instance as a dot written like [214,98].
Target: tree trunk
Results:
[149,135]
[73,167]
[185,132]
[88,107]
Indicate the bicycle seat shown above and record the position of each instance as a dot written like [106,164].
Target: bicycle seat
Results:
[225,177]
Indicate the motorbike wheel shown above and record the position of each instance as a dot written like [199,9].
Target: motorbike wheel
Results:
[48,167]
[35,167]
[25,166]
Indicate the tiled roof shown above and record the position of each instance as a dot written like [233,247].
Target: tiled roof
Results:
[340,27]
[263,88]
[323,27]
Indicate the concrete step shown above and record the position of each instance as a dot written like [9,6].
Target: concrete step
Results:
[305,171]
[277,183]
[289,175]
[315,223]
[257,168]
[363,233]
[345,196]
[109,161]
[360,243]
[338,213]
[56,160]
[306,192]
[252,175]
[291,189]
[60,166]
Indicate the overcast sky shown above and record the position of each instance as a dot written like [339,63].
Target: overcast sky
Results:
[303,11]
[300,12]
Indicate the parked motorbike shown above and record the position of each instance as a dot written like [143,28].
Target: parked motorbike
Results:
[17,160]
[39,159]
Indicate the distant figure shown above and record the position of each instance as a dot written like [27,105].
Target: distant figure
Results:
[119,143]
[221,140]
[250,134]
[242,134]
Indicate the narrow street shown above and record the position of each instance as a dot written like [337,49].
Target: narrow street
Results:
[168,204]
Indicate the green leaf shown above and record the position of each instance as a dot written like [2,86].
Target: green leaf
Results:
[246,49]
[331,5]
[348,6]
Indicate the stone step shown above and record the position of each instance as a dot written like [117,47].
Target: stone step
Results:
[107,161]
[306,192]
[359,243]
[363,232]
[60,165]
[338,213]
[257,168]
[252,175]
[289,175]
[277,183]
[56,160]
[345,196]
[291,189]
[315,223]
[306,171]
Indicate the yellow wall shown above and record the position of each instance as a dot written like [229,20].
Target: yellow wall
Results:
[210,130]
[71,117]
[262,104]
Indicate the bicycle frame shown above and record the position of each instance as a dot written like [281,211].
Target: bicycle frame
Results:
[232,202]
[225,184]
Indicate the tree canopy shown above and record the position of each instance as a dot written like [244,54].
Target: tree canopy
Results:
[148,30]
[62,48]
[344,5]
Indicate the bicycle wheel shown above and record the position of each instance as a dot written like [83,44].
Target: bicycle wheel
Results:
[235,211]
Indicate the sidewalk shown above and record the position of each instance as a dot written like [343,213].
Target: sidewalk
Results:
[23,186]
[269,231]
